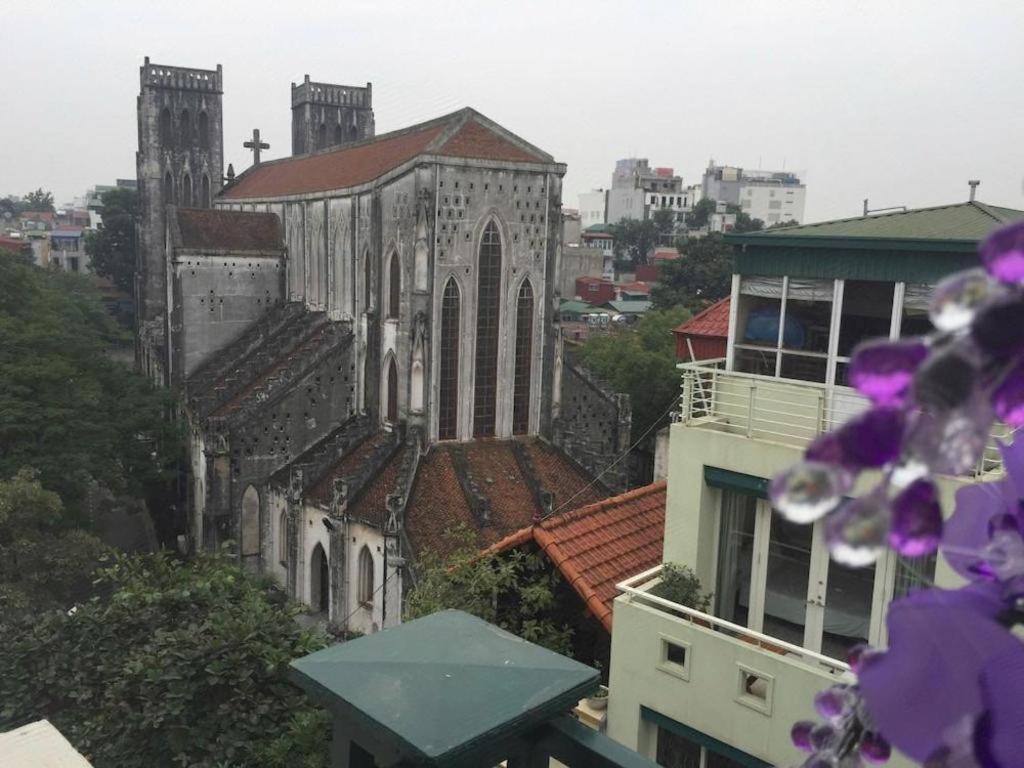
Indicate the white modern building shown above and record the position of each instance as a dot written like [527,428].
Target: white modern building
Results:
[593,208]
[771,196]
[722,688]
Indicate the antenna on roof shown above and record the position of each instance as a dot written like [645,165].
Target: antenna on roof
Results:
[973,184]
[881,210]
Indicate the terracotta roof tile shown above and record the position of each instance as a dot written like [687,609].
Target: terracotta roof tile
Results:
[372,504]
[437,502]
[323,487]
[361,163]
[474,140]
[713,321]
[597,546]
[208,228]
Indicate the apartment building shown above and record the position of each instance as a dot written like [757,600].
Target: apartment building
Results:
[771,196]
[722,687]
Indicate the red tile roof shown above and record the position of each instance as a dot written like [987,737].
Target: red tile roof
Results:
[637,286]
[597,546]
[209,228]
[713,321]
[465,133]
[662,254]
[437,502]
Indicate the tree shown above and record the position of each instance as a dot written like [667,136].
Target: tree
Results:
[38,201]
[111,247]
[44,562]
[785,224]
[703,275]
[665,223]
[635,239]
[641,362]
[179,664]
[700,215]
[746,224]
[514,590]
[66,409]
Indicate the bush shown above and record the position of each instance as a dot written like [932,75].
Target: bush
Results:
[680,585]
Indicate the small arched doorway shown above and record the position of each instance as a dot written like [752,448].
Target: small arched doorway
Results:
[319,581]
[250,521]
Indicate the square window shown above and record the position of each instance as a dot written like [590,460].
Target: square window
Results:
[755,689]
[674,657]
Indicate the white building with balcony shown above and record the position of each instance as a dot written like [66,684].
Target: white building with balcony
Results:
[722,688]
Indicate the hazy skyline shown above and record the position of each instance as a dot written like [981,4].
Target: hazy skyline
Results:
[900,102]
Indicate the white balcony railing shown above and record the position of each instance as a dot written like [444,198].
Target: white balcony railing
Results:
[780,410]
[639,589]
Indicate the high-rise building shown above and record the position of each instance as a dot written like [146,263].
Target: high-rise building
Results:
[771,196]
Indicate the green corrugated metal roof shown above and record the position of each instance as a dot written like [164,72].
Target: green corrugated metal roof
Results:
[576,308]
[635,307]
[971,221]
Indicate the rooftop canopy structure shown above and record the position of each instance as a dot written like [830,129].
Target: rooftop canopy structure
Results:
[452,690]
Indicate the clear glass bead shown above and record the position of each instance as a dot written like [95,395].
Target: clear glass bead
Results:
[807,491]
[856,533]
[957,299]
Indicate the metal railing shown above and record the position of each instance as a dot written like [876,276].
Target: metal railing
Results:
[643,595]
[779,410]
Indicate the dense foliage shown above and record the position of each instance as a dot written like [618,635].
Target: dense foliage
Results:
[44,562]
[640,361]
[514,590]
[702,276]
[111,247]
[66,409]
[39,200]
[680,585]
[635,239]
[178,665]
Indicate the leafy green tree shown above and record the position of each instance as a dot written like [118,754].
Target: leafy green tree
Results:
[665,223]
[641,362]
[514,590]
[38,201]
[785,224]
[111,247]
[702,276]
[44,562]
[746,224]
[700,214]
[635,239]
[180,664]
[66,409]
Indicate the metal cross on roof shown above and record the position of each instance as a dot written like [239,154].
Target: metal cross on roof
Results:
[256,145]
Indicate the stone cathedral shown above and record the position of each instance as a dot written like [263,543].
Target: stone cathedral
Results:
[363,337]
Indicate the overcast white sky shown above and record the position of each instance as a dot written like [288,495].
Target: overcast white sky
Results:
[900,101]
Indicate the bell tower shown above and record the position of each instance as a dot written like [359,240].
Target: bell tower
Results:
[180,161]
[325,115]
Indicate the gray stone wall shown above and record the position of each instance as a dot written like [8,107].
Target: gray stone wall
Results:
[183,156]
[593,424]
[216,298]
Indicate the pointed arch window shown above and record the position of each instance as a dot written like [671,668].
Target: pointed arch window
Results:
[166,133]
[365,582]
[168,189]
[206,191]
[394,286]
[250,522]
[339,135]
[448,400]
[321,141]
[319,580]
[488,307]
[353,131]
[448,375]
[367,284]
[392,392]
[282,538]
[523,360]
[185,129]
[186,191]
[204,131]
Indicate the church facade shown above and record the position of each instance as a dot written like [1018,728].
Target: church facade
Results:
[364,337]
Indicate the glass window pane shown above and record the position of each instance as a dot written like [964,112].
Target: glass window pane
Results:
[789,568]
[735,557]
[675,751]
[807,325]
[757,318]
[755,361]
[715,760]
[913,573]
[803,367]
[842,374]
[915,320]
[867,313]
[847,608]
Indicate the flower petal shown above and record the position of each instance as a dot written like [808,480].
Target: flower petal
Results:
[968,527]
[930,677]
[1002,681]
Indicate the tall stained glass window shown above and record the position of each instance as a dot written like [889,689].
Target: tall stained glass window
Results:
[392,392]
[394,287]
[524,358]
[488,307]
[448,396]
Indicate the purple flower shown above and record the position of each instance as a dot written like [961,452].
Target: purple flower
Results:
[916,520]
[983,539]
[944,646]
[883,370]
[1003,254]
[873,439]
[1008,397]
